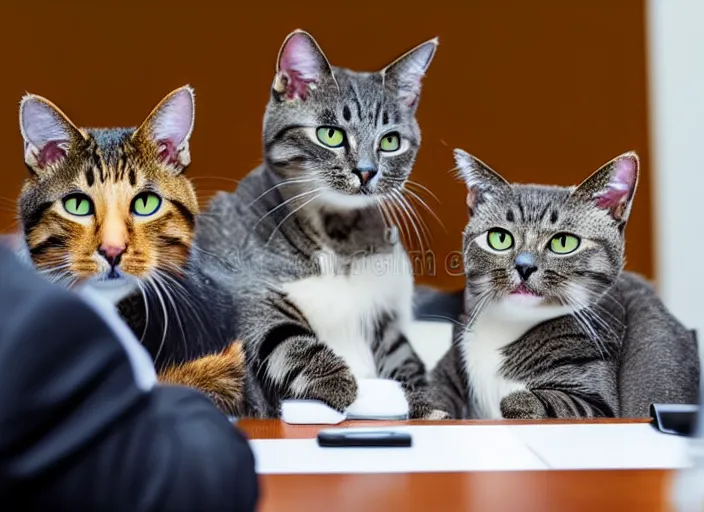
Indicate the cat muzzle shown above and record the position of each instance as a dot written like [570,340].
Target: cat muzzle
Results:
[112,254]
[525,265]
[365,175]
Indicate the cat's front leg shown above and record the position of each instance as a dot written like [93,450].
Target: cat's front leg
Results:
[447,388]
[398,361]
[288,359]
[294,363]
[420,407]
[320,374]
[522,405]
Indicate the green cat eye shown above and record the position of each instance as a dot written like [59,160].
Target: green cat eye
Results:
[145,204]
[499,239]
[390,142]
[331,137]
[78,204]
[564,243]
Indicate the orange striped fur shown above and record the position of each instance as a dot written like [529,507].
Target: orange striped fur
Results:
[220,376]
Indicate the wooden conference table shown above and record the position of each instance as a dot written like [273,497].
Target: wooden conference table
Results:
[543,491]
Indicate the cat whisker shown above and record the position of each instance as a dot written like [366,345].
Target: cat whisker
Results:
[69,281]
[419,218]
[167,293]
[209,192]
[184,299]
[140,287]
[603,295]
[220,259]
[57,272]
[609,295]
[383,213]
[600,321]
[292,181]
[397,223]
[395,195]
[456,173]
[397,215]
[159,297]
[609,331]
[425,205]
[290,214]
[284,203]
[441,317]
[579,313]
[585,325]
[222,178]
[53,268]
[422,187]
[59,275]
[590,309]
[478,304]
[607,313]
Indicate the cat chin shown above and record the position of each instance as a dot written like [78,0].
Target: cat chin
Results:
[524,300]
[113,290]
[346,201]
[529,308]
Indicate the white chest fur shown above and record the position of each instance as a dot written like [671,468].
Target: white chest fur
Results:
[341,307]
[499,325]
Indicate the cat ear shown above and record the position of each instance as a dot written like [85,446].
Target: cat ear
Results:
[613,186]
[301,66]
[169,127]
[47,132]
[405,74]
[481,180]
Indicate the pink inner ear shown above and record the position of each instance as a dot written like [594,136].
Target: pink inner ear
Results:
[620,185]
[168,152]
[409,88]
[296,86]
[172,124]
[300,65]
[50,153]
[409,99]
[45,133]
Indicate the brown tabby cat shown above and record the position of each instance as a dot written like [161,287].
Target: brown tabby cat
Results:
[111,209]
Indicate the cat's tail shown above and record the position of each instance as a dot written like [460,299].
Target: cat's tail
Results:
[221,376]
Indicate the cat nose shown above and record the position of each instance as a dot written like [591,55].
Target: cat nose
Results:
[525,265]
[112,253]
[365,174]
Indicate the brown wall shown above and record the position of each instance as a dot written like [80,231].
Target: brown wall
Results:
[543,91]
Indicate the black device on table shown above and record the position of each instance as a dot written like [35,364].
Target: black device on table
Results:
[363,438]
[677,419]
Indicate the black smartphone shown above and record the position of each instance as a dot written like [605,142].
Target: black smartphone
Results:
[677,419]
[363,438]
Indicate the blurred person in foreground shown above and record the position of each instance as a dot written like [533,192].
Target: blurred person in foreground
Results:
[83,425]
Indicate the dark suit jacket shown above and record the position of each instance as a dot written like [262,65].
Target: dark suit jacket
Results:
[82,424]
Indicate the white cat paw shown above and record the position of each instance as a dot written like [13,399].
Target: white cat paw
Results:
[436,415]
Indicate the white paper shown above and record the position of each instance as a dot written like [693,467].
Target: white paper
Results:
[485,448]
[435,449]
[604,446]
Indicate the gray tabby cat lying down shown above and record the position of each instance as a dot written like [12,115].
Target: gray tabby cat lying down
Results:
[322,283]
[553,324]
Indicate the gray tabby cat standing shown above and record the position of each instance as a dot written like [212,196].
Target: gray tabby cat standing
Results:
[549,310]
[324,287]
